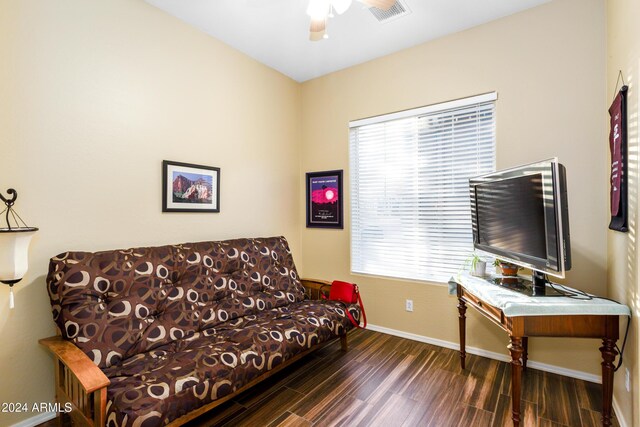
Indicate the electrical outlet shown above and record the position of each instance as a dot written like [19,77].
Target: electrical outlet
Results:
[409,305]
[627,379]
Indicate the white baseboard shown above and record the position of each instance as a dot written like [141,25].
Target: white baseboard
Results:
[616,410]
[37,419]
[503,357]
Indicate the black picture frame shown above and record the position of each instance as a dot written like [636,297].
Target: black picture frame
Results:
[324,199]
[202,183]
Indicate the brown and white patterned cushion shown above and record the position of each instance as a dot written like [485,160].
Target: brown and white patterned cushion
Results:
[175,327]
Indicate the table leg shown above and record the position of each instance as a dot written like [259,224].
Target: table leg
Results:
[516,350]
[525,354]
[344,345]
[609,353]
[462,309]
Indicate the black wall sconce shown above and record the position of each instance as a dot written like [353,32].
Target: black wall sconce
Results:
[14,244]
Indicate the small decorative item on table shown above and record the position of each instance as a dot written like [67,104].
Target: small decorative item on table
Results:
[190,188]
[506,268]
[478,266]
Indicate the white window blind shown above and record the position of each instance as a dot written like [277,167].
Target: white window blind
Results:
[410,215]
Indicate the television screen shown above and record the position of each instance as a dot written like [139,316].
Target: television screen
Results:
[522,231]
[520,215]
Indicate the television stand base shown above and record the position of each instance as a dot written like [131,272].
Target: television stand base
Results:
[525,286]
[539,284]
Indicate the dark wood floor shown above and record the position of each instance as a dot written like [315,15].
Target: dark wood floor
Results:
[389,381]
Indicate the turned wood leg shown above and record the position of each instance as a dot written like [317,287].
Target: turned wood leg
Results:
[462,309]
[525,352]
[609,353]
[516,350]
[343,342]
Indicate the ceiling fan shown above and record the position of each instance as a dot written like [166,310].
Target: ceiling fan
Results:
[320,10]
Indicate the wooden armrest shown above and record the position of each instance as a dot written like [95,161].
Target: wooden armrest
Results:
[316,289]
[316,284]
[88,374]
[79,382]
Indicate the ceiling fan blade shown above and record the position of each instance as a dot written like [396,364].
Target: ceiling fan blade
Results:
[379,4]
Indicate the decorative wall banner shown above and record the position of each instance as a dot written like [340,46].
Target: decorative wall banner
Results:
[618,148]
[324,199]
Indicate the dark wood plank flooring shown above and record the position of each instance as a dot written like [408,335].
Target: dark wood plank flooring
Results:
[389,381]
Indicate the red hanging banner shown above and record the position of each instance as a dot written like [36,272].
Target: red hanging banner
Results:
[618,148]
[615,144]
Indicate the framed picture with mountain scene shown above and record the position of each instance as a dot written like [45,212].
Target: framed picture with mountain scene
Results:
[190,188]
[324,199]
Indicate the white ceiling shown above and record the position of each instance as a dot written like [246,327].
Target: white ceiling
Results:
[276,32]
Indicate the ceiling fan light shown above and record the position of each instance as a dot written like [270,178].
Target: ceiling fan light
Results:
[318,9]
[315,36]
[341,6]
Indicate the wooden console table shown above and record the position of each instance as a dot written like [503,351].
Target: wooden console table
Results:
[516,314]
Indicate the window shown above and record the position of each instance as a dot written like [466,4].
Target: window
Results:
[410,215]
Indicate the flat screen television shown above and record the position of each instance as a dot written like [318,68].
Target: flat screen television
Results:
[520,215]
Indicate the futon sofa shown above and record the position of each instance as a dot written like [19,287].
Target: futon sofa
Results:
[157,336]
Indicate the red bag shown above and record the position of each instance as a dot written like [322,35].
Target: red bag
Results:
[348,293]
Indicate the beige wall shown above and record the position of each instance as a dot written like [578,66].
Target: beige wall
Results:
[548,67]
[623,53]
[94,95]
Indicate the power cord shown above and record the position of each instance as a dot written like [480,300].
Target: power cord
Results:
[624,342]
[580,295]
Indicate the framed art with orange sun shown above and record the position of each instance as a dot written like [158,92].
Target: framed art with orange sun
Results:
[324,199]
